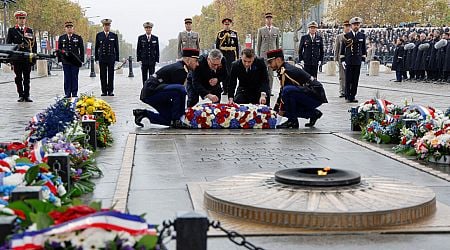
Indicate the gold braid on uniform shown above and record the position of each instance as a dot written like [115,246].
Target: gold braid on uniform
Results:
[222,38]
[348,41]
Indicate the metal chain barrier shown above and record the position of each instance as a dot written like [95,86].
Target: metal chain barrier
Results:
[235,237]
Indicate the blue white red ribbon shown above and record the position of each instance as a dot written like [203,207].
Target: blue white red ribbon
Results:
[424,111]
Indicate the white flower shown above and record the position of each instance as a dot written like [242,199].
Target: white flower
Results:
[96,238]
[14,179]
[61,190]
[129,240]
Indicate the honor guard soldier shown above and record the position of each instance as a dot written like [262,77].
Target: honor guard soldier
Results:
[227,42]
[300,93]
[147,51]
[71,55]
[165,92]
[310,50]
[24,37]
[268,38]
[251,72]
[353,53]
[337,53]
[188,38]
[107,54]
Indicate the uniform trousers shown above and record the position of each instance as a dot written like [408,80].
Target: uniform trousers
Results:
[351,81]
[298,102]
[70,80]
[107,77]
[22,79]
[311,69]
[147,70]
[169,102]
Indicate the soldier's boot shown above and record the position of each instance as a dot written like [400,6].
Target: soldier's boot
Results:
[290,123]
[179,124]
[139,114]
[313,120]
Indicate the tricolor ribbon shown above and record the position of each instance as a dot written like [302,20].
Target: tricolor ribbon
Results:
[109,220]
[424,111]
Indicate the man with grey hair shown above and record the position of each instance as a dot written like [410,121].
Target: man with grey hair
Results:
[207,77]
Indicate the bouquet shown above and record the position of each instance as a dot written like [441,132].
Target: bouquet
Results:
[434,144]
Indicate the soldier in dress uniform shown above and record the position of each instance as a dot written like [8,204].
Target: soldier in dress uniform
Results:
[268,38]
[300,93]
[107,54]
[227,42]
[251,72]
[147,51]
[353,53]
[23,36]
[337,53]
[188,38]
[310,50]
[164,91]
[71,54]
[444,55]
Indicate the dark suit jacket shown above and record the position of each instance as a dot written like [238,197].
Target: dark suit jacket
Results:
[202,75]
[253,82]
[106,48]
[147,52]
[309,51]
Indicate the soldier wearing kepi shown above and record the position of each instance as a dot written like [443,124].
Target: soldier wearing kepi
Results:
[337,51]
[268,38]
[71,54]
[300,93]
[353,53]
[188,38]
[107,54]
[147,51]
[227,42]
[23,36]
[310,50]
[165,92]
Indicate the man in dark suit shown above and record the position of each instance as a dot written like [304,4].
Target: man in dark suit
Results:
[107,54]
[353,53]
[310,50]
[253,80]
[71,48]
[24,37]
[147,51]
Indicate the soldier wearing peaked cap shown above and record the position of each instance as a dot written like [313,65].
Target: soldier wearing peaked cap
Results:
[337,51]
[165,92]
[107,54]
[23,36]
[71,54]
[353,52]
[188,38]
[300,93]
[147,51]
[228,43]
[310,50]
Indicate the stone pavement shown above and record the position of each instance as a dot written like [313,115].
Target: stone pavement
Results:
[166,160]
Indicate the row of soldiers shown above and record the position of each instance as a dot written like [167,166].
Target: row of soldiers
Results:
[423,57]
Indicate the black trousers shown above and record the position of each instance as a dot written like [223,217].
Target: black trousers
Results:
[230,56]
[251,97]
[351,81]
[22,80]
[107,77]
[311,69]
[147,70]
[193,96]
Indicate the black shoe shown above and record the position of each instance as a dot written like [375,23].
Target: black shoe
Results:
[103,94]
[27,99]
[341,96]
[352,101]
[139,114]
[312,121]
[21,99]
[397,81]
[179,124]
[289,124]
[110,94]
[66,96]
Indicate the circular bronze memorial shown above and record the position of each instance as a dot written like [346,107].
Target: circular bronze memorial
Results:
[309,177]
[371,203]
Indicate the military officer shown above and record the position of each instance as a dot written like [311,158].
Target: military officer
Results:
[227,42]
[300,93]
[71,55]
[353,53]
[147,51]
[165,92]
[188,38]
[398,63]
[337,50]
[251,72]
[23,36]
[310,50]
[268,38]
[107,54]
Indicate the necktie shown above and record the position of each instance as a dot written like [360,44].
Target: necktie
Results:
[148,38]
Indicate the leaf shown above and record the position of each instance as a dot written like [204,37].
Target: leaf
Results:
[24,160]
[97,205]
[77,202]
[147,242]
[411,152]
[31,174]
[40,206]
[42,220]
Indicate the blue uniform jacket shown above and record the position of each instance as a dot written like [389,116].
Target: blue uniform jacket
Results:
[147,51]
[106,48]
[353,49]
